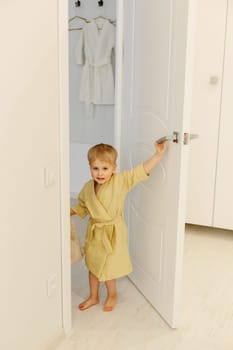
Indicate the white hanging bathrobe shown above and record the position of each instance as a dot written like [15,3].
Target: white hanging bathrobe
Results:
[94,50]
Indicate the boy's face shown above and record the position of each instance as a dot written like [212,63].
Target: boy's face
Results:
[101,171]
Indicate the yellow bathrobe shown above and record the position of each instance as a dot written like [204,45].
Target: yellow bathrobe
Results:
[106,243]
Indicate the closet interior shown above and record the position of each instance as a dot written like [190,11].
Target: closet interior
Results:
[92,42]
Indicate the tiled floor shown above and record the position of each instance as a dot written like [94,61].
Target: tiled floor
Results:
[207,316]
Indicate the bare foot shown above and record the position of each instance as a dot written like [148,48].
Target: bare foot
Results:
[88,303]
[110,303]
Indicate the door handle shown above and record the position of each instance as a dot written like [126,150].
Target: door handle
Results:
[174,138]
[188,137]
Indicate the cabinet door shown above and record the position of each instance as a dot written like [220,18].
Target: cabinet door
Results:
[223,210]
[206,108]
[157,100]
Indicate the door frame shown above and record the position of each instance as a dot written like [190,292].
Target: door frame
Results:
[64,144]
[64,171]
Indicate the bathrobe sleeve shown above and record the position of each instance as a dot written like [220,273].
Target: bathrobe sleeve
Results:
[80,209]
[79,49]
[134,176]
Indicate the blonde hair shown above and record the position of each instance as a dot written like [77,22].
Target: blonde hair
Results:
[103,152]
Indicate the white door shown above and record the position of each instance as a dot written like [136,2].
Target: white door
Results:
[157,102]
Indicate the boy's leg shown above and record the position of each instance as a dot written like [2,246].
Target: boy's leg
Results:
[94,293]
[112,295]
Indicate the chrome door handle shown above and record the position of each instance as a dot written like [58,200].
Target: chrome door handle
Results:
[174,138]
[188,137]
[193,136]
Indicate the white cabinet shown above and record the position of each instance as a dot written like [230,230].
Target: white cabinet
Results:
[210,185]
[223,209]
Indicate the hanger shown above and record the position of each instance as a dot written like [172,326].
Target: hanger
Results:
[108,19]
[88,21]
[79,17]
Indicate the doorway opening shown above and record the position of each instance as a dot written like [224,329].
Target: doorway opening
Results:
[151,102]
[92,122]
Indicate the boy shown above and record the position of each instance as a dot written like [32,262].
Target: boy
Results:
[102,198]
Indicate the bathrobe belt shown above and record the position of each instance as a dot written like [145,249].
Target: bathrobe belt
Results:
[108,231]
[98,64]
[90,64]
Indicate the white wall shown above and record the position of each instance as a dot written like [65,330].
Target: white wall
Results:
[30,212]
[85,130]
